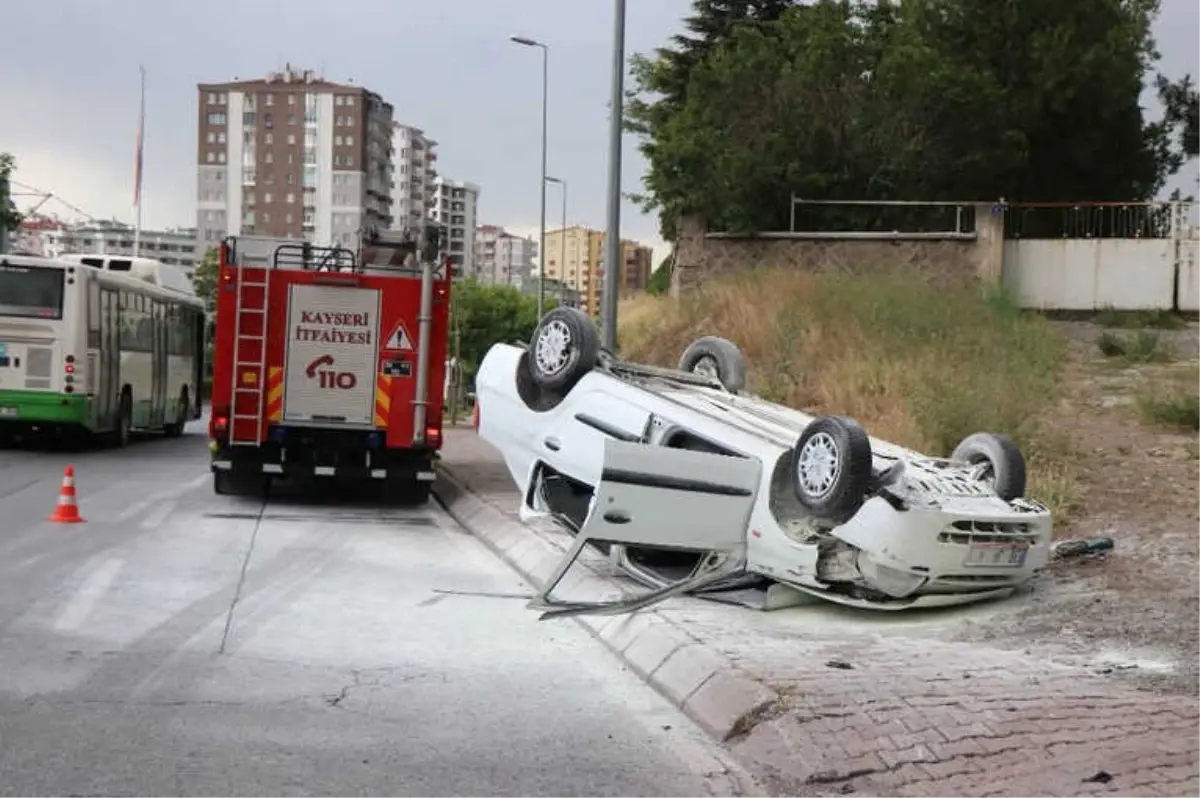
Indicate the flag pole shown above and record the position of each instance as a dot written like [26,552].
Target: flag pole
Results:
[137,176]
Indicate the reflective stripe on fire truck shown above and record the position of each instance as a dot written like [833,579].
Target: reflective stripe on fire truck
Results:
[274,393]
[383,399]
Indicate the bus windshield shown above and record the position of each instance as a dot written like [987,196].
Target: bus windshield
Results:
[34,292]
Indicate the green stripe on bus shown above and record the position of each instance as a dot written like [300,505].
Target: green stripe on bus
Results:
[42,406]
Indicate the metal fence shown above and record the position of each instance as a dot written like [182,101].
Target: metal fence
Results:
[1045,220]
[880,218]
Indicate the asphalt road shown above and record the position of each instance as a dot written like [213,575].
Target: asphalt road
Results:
[186,643]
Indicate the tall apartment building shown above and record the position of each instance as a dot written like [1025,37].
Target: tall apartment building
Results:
[576,257]
[454,205]
[502,257]
[414,170]
[292,155]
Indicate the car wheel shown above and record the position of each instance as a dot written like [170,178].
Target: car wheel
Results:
[996,461]
[564,347]
[718,358]
[831,467]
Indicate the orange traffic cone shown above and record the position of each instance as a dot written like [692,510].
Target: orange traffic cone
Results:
[67,511]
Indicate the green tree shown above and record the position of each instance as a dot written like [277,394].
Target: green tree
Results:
[204,280]
[660,279]
[1182,115]
[926,99]
[482,314]
[667,74]
[10,218]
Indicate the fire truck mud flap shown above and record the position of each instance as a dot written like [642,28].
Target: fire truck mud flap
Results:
[663,498]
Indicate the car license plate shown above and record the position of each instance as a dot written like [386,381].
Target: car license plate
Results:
[997,555]
[7,411]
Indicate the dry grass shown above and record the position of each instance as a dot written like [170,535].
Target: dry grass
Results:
[918,365]
[1172,401]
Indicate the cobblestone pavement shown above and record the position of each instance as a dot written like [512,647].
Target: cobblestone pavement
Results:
[896,706]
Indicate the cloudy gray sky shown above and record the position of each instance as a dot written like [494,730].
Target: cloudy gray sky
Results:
[71,91]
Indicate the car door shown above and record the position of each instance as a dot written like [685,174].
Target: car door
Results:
[652,495]
[573,441]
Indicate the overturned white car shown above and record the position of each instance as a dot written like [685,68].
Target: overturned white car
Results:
[692,485]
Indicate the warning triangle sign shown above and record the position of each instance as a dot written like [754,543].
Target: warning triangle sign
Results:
[399,339]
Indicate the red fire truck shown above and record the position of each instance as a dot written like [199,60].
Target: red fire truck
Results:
[329,363]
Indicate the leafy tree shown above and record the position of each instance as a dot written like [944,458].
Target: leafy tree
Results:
[9,216]
[668,73]
[925,99]
[660,279]
[204,280]
[1182,112]
[483,314]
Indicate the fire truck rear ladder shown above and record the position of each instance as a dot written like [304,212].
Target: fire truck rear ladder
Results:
[259,387]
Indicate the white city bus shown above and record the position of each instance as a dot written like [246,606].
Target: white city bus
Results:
[98,344]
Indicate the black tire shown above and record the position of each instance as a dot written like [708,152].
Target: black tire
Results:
[224,484]
[122,434]
[564,347]
[175,429]
[832,443]
[228,483]
[404,493]
[1004,465]
[719,356]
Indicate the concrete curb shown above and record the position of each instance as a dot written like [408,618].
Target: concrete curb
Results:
[703,683]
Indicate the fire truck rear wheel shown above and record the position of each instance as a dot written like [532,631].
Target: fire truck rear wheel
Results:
[227,483]
[404,493]
[564,347]
[223,483]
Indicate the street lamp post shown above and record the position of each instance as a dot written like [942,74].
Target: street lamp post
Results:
[545,48]
[562,236]
[612,238]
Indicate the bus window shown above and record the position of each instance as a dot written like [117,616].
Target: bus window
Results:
[119,264]
[34,292]
[93,315]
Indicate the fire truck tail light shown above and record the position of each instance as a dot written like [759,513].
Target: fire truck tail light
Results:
[433,437]
[219,427]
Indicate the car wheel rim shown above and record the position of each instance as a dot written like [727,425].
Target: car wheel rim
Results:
[819,465]
[707,367]
[553,348]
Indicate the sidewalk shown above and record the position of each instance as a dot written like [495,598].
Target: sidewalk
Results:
[819,700]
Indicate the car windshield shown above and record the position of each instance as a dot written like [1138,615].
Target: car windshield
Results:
[31,291]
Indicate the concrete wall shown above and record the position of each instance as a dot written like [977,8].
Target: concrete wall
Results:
[1189,275]
[1053,274]
[943,258]
[1090,274]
